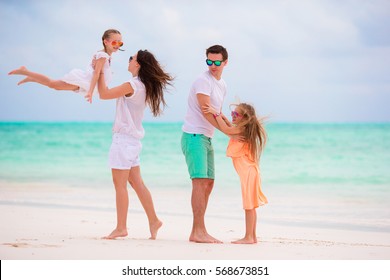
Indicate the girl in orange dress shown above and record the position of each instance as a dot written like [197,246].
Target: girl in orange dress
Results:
[245,154]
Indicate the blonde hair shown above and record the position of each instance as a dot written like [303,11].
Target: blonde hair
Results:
[107,34]
[252,129]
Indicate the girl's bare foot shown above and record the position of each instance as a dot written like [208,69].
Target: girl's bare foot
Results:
[25,80]
[116,233]
[20,71]
[154,229]
[245,240]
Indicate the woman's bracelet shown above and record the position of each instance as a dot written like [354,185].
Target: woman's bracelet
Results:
[216,115]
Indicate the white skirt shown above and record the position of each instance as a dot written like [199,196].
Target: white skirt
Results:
[80,78]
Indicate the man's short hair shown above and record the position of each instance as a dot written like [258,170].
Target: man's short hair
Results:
[218,49]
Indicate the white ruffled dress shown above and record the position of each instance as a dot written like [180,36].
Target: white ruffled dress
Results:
[82,78]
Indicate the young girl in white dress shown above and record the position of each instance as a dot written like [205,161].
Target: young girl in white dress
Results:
[83,81]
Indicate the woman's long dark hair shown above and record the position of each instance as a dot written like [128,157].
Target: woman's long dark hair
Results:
[154,79]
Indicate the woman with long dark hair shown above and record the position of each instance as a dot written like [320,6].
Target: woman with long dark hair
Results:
[145,88]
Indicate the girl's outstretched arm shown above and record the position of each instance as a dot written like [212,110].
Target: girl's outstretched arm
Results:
[221,120]
[225,119]
[96,73]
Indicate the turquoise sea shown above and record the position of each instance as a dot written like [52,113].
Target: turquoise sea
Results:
[332,175]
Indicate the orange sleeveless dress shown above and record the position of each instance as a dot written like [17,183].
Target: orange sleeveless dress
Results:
[249,172]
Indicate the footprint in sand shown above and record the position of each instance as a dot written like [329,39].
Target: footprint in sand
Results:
[28,245]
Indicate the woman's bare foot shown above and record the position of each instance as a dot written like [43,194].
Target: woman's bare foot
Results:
[22,70]
[154,229]
[116,233]
[245,240]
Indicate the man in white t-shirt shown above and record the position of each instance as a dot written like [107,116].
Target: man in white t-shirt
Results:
[198,130]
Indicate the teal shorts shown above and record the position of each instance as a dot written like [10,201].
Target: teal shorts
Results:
[199,154]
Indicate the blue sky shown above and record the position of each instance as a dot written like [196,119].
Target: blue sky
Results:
[296,61]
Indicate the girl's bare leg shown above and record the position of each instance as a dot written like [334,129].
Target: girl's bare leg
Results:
[122,203]
[145,197]
[41,79]
[250,222]
[254,226]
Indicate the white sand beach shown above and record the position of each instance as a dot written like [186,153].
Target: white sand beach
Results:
[64,224]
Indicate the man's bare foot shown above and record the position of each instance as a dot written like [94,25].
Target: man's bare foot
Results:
[203,238]
[20,71]
[116,233]
[154,229]
[245,240]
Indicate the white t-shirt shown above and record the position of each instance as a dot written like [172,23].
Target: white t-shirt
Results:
[206,84]
[130,111]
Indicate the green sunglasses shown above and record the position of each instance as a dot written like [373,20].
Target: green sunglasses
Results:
[216,62]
